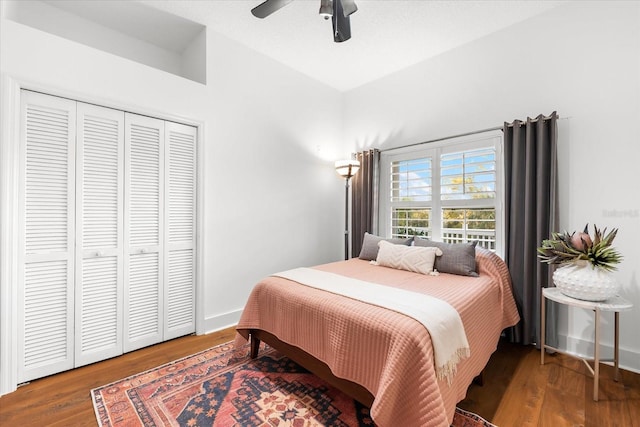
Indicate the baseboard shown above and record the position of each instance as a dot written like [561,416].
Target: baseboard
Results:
[629,360]
[220,321]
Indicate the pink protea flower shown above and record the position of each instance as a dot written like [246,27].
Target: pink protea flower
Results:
[581,240]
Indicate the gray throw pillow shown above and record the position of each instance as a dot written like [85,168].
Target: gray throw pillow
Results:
[457,258]
[370,248]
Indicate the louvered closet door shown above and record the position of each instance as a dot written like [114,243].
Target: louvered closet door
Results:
[180,208]
[99,233]
[144,199]
[45,296]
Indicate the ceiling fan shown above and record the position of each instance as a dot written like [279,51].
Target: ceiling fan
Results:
[337,10]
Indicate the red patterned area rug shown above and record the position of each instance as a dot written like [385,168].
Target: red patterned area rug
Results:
[224,388]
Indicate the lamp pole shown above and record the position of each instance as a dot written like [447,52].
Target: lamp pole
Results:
[346,169]
[346,216]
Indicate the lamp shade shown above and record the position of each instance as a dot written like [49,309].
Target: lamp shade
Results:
[347,168]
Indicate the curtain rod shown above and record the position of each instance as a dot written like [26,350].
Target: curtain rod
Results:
[530,120]
[462,134]
[442,139]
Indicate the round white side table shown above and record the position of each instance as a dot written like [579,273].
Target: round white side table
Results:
[615,304]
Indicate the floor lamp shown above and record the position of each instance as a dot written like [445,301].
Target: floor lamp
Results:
[346,169]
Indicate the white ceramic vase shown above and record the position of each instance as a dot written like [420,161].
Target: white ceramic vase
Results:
[582,280]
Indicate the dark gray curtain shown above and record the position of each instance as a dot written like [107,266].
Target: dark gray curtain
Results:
[364,187]
[531,215]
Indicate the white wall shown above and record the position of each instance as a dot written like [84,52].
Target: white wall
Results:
[194,59]
[180,49]
[60,22]
[272,199]
[583,60]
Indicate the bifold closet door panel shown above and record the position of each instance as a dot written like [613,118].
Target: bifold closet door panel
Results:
[99,233]
[180,208]
[144,231]
[46,242]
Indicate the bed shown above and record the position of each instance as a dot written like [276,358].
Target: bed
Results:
[380,357]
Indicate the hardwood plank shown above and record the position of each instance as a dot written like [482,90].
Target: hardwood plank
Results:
[612,406]
[517,391]
[522,402]
[567,375]
[563,399]
[557,394]
[496,378]
[561,407]
[64,399]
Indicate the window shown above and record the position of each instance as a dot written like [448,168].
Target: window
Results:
[448,191]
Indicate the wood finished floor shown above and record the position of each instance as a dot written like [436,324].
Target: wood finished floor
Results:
[517,391]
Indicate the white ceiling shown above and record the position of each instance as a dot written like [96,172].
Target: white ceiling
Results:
[386,35]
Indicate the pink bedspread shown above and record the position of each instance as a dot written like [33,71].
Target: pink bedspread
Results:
[388,353]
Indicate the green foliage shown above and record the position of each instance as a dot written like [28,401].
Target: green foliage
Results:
[564,248]
[408,222]
[476,219]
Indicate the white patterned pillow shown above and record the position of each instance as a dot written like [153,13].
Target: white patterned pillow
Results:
[410,258]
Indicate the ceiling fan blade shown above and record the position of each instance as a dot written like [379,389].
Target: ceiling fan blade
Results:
[341,24]
[349,7]
[268,7]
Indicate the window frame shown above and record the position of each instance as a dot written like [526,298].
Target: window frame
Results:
[488,139]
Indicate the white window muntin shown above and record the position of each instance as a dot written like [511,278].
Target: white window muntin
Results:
[468,174]
[411,180]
